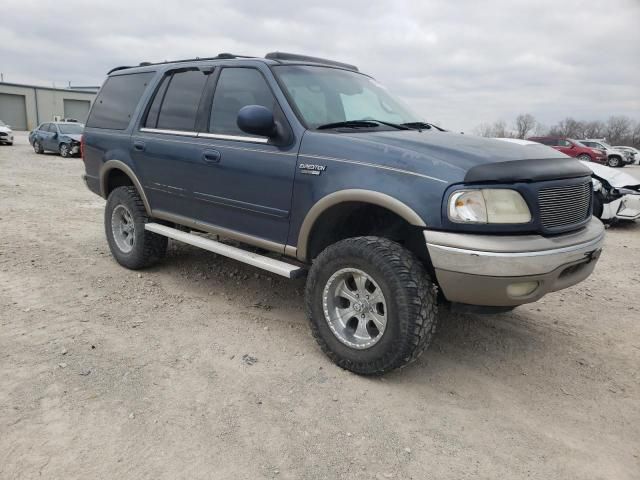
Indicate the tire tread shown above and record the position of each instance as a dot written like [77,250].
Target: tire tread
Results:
[420,293]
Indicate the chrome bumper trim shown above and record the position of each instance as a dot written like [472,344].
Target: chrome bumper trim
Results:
[517,262]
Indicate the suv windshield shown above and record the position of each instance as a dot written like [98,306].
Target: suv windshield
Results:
[70,128]
[325,96]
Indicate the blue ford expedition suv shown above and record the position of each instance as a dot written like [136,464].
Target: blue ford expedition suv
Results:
[330,176]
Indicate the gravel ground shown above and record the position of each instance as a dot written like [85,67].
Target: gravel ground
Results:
[202,367]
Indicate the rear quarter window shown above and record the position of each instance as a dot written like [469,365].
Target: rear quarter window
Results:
[117,100]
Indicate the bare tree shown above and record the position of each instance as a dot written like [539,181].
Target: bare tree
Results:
[525,123]
[484,130]
[568,127]
[495,129]
[635,136]
[594,129]
[617,129]
[500,129]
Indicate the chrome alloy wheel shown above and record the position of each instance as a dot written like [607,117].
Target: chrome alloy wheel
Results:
[123,228]
[355,308]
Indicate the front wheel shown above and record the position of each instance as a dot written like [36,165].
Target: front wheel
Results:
[371,305]
[584,157]
[614,162]
[124,219]
[37,147]
[64,150]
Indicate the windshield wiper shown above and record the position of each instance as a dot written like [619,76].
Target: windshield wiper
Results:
[349,124]
[368,123]
[421,126]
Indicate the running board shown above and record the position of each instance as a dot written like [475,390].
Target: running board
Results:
[266,263]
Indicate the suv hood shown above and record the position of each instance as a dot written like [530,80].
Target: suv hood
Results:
[447,156]
[5,129]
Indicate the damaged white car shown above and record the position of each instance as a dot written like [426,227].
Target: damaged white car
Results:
[616,195]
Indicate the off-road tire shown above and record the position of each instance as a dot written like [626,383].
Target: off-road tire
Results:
[148,247]
[598,205]
[411,302]
[37,147]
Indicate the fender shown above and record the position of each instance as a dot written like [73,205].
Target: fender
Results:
[350,195]
[123,167]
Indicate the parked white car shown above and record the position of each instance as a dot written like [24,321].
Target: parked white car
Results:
[6,134]
[616,195]
[616,158]
[633,151]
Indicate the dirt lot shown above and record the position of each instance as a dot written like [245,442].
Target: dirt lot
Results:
[205,368]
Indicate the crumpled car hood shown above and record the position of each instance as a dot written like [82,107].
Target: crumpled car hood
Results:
[615,177]
[74,136]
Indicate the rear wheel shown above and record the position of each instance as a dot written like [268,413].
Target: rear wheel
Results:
[614,162]
[37,147]
[584,157]
[131,245]
[371,304]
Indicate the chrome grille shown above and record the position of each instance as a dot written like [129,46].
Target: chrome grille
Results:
[566,205]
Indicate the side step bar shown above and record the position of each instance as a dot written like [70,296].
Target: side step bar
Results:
[266,263]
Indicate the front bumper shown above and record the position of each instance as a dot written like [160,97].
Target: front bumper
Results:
[489,270]
[629,208]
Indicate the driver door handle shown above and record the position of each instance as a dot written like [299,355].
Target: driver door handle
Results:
[211,156]
[138,146]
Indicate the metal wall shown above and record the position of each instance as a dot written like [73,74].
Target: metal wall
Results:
[41,104]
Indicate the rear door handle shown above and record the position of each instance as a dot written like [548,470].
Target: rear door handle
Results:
[211,156]
[138,146]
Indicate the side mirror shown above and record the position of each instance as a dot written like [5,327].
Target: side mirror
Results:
[257,120]
[572,146]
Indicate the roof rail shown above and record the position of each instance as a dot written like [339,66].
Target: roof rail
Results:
[304,58]
[220,56]
[124,67]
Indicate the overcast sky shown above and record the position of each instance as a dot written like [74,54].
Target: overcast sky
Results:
[457,63]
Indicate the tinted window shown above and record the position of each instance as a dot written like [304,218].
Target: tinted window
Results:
[154,110]
[180,105]
[237,88]
[564,143]
[117,100]
[52,128]
[44,127]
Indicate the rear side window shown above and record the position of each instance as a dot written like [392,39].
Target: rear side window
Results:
[237,88]
[117,100]
[180,103]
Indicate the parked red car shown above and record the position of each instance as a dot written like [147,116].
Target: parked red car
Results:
[573,148]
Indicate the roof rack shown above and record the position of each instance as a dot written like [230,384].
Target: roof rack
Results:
[220,56]
[304,58]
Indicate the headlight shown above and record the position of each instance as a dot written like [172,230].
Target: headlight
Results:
[489,205]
